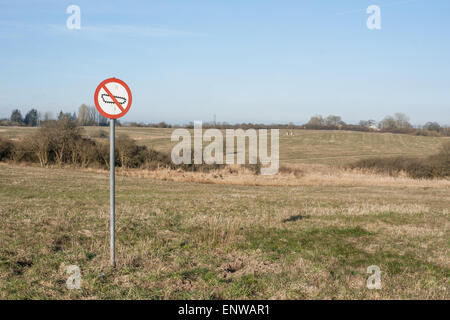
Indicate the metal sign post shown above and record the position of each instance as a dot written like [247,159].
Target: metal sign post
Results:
[112,192]
[113,100]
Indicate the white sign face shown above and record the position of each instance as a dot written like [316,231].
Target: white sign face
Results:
[107,103]
[113,98]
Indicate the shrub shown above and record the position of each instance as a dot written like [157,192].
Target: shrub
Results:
[6,149]
[155,160]
[54,142]
[103,154]
[63,136]
[442,160]
[444,153]
[60,142]
[445,131]
[39,145]
[435,166]
[426,133]
[130,155]
[291,170]
[99,134]
[22,152]
[85,153]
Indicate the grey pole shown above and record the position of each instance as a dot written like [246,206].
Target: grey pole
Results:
[112,163]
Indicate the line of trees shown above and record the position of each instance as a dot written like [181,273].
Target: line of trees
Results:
[398,123]
[87,116]
[31,118]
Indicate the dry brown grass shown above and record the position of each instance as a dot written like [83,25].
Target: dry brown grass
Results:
[308,232]
[295,175]
[180,239]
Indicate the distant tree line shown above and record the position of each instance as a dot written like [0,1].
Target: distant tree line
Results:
[89,116]
[31,118]
[398,123]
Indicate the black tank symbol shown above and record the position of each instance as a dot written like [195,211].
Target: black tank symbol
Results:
[107,99]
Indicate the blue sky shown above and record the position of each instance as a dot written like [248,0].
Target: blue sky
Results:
[245,61]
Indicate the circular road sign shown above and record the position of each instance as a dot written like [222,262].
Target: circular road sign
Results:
[113,98]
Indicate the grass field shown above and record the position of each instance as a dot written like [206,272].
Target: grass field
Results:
[306,146]
[314,146]
[235,239]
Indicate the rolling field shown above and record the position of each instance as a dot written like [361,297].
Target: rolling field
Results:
[306,146]
[266,239]
[314,146]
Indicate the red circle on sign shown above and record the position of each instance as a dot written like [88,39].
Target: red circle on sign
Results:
[102,85]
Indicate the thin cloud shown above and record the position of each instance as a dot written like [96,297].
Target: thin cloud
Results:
[11,29]
[128,30]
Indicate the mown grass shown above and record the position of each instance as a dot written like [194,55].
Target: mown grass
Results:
[178,240]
